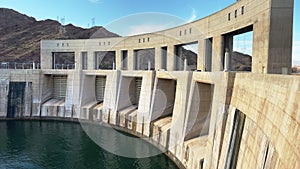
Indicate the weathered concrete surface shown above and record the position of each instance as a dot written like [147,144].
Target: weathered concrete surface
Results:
[54,108]
[271,22]
[97,112]
[123,116]
[4,88]
[32,91]
[161,132]
[271,105]
[194,151]
[189,114]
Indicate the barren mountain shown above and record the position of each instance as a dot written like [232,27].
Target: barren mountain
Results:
[241,62]
[20,35]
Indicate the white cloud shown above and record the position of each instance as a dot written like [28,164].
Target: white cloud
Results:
[193,16]
[95,1]
[145,28]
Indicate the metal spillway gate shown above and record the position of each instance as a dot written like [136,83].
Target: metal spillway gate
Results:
[100,88]
[59,86]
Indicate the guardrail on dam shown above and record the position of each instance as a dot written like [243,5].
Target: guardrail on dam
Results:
[203,116]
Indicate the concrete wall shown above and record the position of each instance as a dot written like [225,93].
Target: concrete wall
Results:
[272,22]
[269,137]
[4,89]
[271,106]
[269,102]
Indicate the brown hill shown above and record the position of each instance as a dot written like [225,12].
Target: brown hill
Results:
[20,35]
[241,61]
[296,69]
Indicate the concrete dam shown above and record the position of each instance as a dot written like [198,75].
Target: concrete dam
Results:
[205,114]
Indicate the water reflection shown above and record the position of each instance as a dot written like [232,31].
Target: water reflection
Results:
[41,144]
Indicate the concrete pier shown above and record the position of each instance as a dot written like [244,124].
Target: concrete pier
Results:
[208,118]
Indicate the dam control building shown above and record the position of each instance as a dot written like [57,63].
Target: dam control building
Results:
[198,107]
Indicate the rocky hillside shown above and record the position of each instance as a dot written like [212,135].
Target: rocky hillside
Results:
[20,35]
[296,69]
[241,62]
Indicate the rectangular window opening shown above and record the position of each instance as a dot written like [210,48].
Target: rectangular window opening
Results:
[124,59]
[63,60]
[208,54]
[105,60]
[198,118]
[243,10]
[167,86]
[144,59]
[186,56]
[164,58]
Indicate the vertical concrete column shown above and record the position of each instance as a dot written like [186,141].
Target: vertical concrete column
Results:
[260,47]
[4,89]
[217,58]
[110,97]
[226,60]
[83,60]
[143,116]
[72,100]
[281,40]
[272,40]
[46,56]
[171,58]
[78,60]
[36,92]
[228,42]
[179,112]
[131,61]
[185,64]
[157,58]
[118,59]
[28,99]
[200,56]
[91,60]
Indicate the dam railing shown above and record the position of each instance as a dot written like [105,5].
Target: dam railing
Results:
[19,65]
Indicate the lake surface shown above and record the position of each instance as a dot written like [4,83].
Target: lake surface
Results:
[53,144]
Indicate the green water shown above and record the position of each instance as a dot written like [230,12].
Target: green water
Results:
[52,144]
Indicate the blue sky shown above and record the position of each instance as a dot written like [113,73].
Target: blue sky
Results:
[108,12]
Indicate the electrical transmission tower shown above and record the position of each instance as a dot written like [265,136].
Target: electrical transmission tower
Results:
[93,21]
